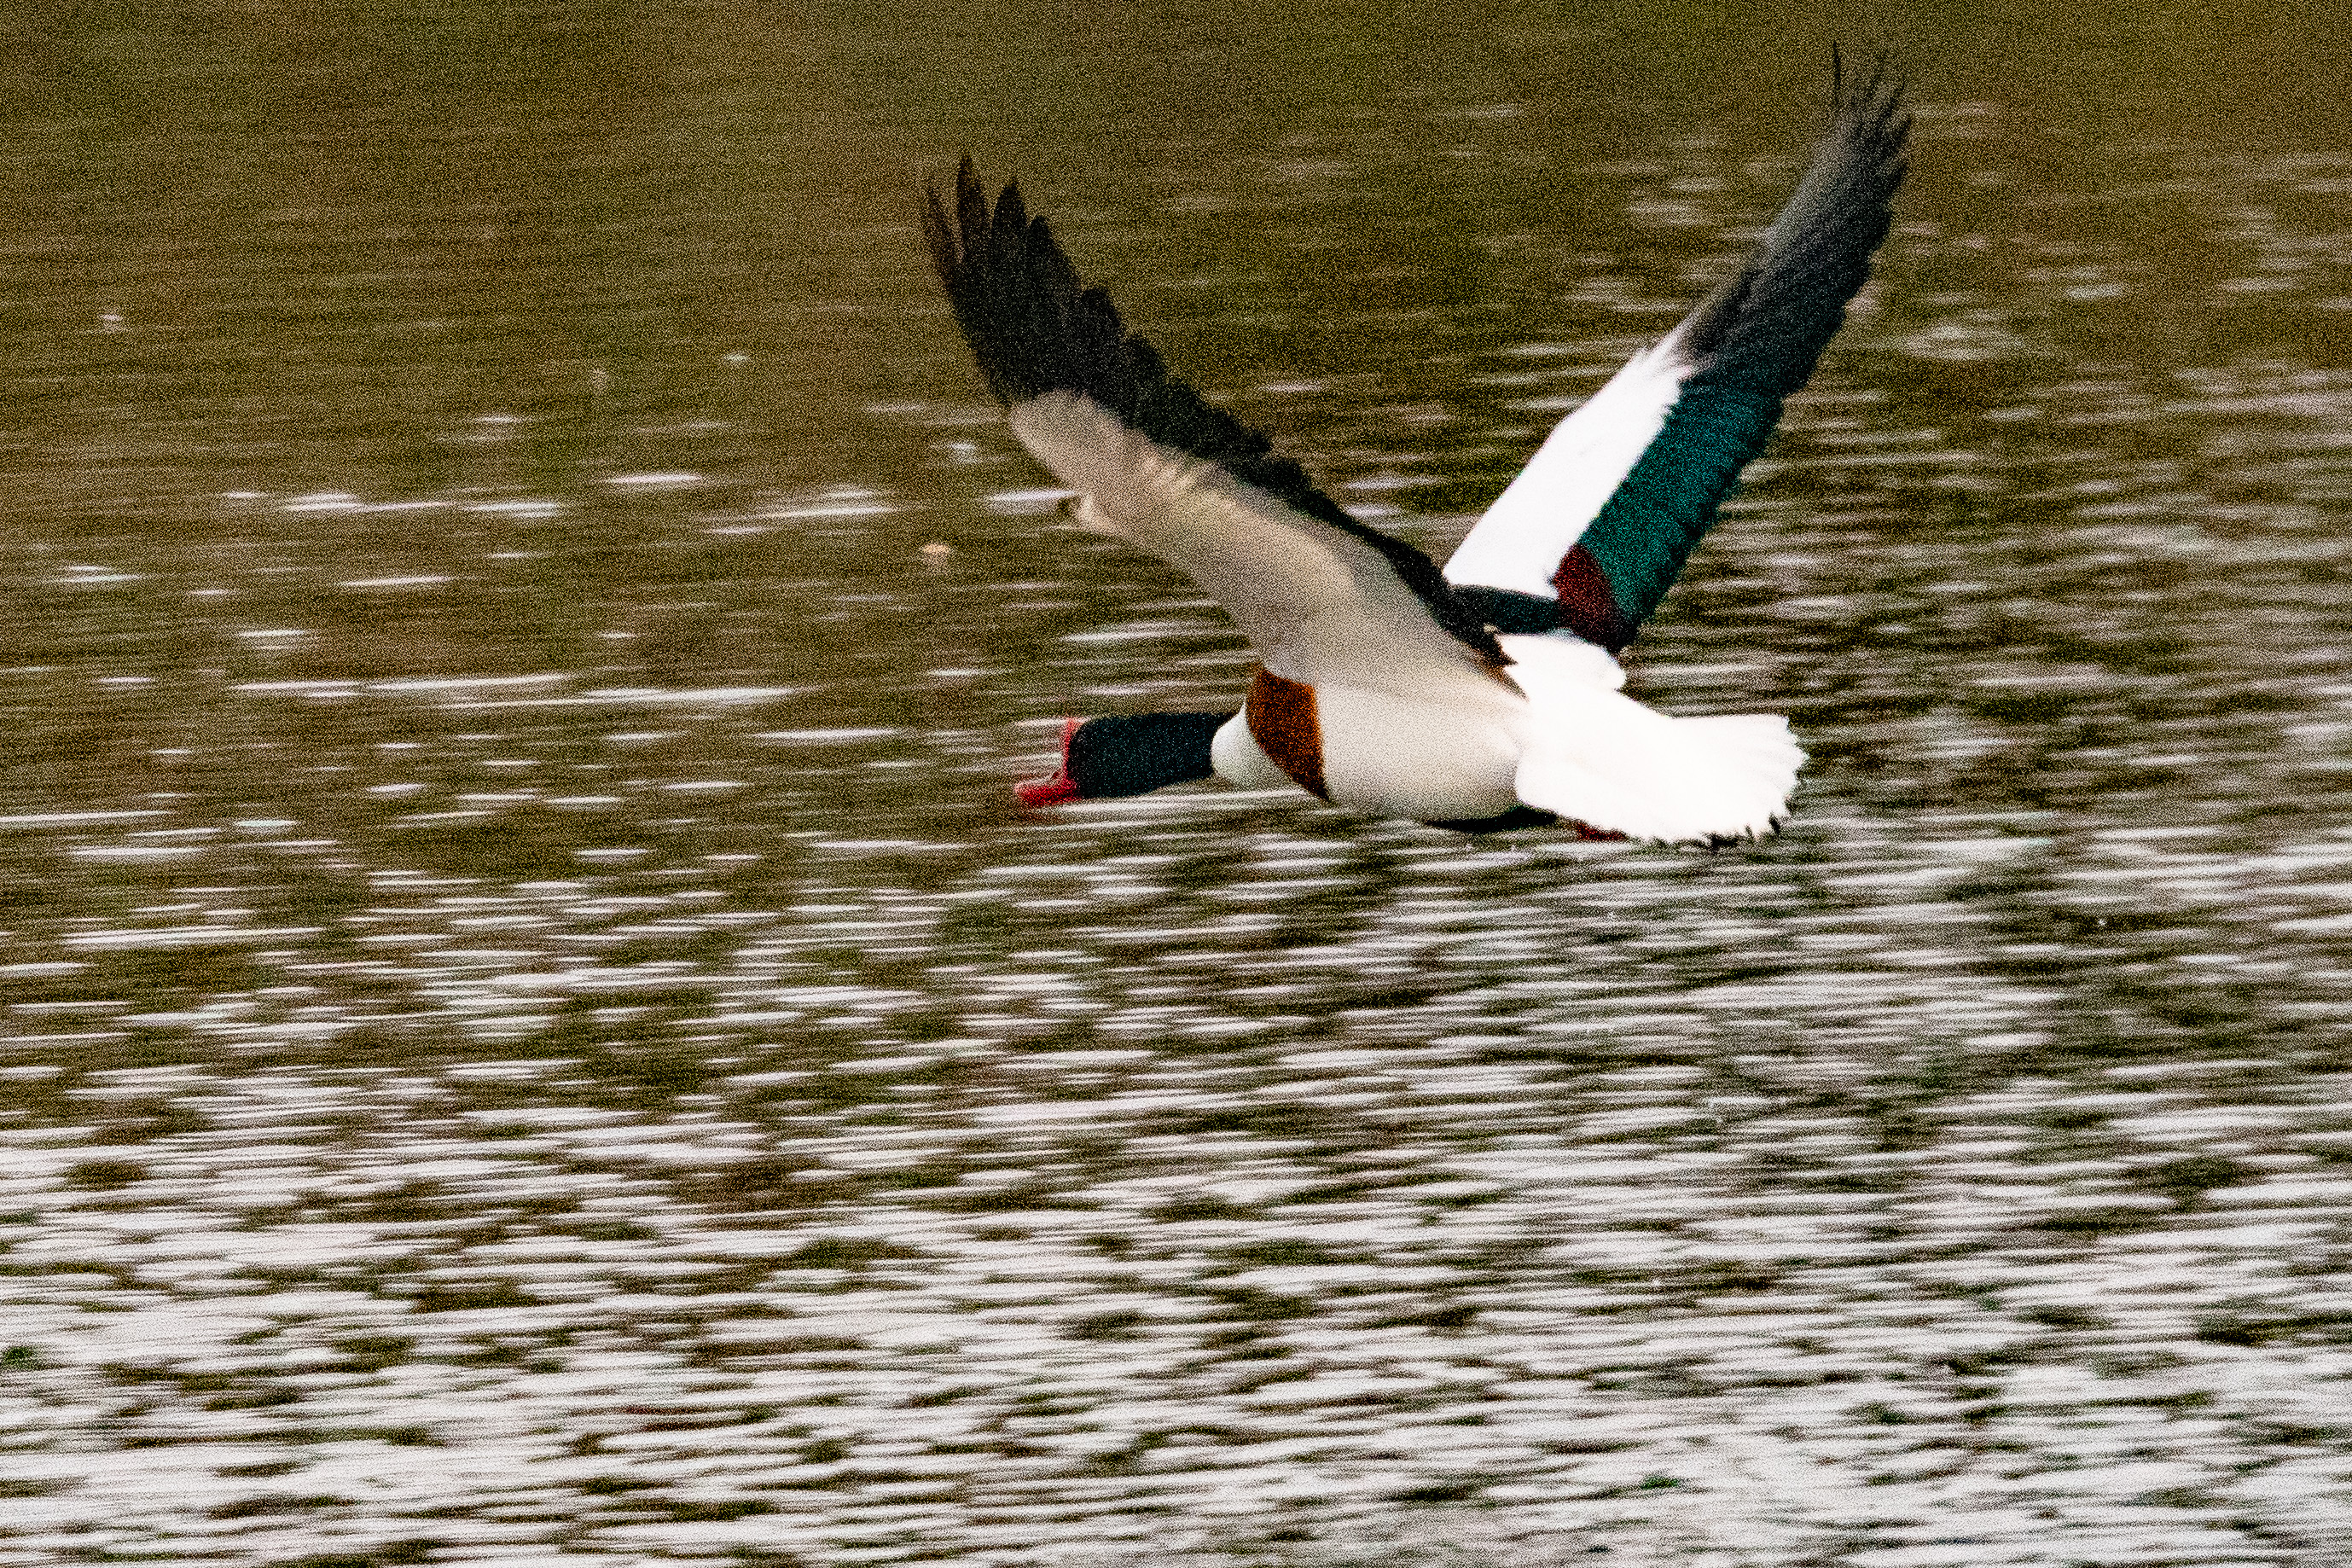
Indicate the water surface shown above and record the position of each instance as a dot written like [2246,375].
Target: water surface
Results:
[532,1032]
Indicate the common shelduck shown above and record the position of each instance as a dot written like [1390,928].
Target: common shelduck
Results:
[1487,695]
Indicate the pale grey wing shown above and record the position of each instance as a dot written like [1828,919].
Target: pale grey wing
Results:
[1317,603]
[1313,587]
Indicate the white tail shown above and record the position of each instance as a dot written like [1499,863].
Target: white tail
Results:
[1595,755]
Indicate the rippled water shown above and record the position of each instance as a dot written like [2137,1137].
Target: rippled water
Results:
[531,1031]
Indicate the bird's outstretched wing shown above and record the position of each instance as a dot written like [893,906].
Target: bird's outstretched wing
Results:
[1317,593]
[1603,516]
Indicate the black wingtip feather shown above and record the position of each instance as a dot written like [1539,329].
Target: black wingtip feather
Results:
[1765,328]
[1034,329]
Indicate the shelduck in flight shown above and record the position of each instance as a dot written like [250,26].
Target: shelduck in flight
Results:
[1487,695]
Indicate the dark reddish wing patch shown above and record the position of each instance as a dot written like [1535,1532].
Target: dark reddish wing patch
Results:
[1588,606]
[1282,720]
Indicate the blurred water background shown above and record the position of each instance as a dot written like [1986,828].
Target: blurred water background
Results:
[529,1032]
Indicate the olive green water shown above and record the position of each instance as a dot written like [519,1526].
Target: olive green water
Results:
[530,1033]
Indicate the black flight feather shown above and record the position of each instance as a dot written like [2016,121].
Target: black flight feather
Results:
[1766,326]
